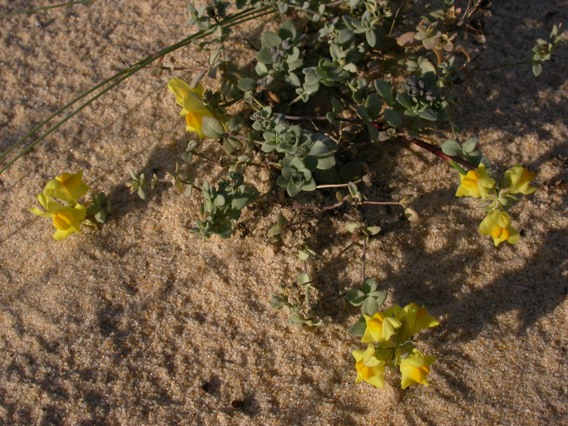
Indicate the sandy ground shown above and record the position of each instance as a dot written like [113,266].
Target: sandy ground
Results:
[140,323]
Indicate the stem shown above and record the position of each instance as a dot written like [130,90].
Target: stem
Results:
[41,9]
[381,203]
[318,118]
[344,250]
[363,255]
[204,157]
[118,78]
[336,185]
[455,162]
[393,23]
[323,209]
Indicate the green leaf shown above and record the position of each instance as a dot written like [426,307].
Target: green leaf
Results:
[277,228]
[264,56]
[101,216]
[247,84]
[355,296]
[274,231]
[239,203]
[380,297]
[303,255]
[369,285]
[428,114]
[282,221]
[270,39]
[293,189]
[303,278]
[219,201]
[373,106]
[187,156]
[344,36]
[309,186]
[405,201]
[411,215]
[393,118]
[352,226]
[373,230]
[212,128]
[451,147]
[353,190]
[371,37]
[469,145]
[323,152]
[373,132]
[282,182]
[358,329]
[261,69]
[385,91]
[362,112]
[191,145]
[405,100]
[370,306]
[293,79]
[287,30]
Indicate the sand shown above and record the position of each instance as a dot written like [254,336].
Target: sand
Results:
[140,323]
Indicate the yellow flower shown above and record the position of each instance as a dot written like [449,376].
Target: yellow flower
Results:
[67,187]
[476,184]
[498,225]
[415,319]
[191,101]
[369,368]
[66,219]
[518,180]
[380,327]
[415,368]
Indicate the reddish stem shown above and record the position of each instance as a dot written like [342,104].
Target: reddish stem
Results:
[434,150]
[439,153]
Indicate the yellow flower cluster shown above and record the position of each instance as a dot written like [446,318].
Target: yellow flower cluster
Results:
[478,184]
[388,336]
[59,200]
[198,117]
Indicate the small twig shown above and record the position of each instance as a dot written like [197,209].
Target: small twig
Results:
[363,255]
[393,23]
[381,203]
[337,185]
[318,118]
[204,157]
[323,209]
[344,250]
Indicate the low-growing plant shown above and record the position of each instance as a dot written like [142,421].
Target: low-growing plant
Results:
[324,74]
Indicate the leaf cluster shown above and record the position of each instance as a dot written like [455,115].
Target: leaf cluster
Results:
[222,205]
[369,299]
